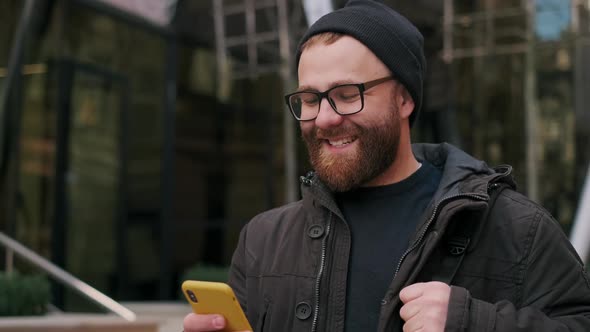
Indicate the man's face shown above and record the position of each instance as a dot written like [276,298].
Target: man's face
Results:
[349,151]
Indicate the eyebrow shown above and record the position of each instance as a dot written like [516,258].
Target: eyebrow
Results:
[333,84]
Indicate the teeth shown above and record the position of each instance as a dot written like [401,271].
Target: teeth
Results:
[341,142]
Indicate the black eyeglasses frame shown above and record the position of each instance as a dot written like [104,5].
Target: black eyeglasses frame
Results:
[321,95]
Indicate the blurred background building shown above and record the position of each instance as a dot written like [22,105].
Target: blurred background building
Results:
[138,137]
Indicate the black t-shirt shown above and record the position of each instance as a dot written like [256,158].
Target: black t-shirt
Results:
[382,220]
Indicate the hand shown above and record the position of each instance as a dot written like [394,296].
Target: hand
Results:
[425,306]
[203,323]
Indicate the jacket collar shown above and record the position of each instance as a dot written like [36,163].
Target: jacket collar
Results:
[461,173]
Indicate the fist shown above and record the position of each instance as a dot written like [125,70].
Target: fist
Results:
[425,306]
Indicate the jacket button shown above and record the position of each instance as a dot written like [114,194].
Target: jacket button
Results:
[302,310]
[315,231]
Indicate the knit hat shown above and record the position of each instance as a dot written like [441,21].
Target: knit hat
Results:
[389,35]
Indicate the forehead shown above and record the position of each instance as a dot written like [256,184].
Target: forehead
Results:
[345,60]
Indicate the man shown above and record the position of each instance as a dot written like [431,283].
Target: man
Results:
[383,222]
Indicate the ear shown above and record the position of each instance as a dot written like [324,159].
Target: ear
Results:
[405,103]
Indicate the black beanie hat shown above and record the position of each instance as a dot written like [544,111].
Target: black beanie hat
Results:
[389,35]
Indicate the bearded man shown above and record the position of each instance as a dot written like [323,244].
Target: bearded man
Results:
[391,236]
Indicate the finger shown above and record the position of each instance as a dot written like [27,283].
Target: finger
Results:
[436,293]
[203,323]
[414,325]
[411,292]
[437,284]
[408,311]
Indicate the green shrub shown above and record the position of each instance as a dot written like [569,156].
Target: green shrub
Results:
[23,295]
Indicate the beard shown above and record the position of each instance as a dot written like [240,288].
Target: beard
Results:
[376,149]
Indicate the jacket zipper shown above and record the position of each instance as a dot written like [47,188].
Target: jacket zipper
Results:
[319,277]
[474,196]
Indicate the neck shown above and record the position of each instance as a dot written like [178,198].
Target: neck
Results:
[404,165]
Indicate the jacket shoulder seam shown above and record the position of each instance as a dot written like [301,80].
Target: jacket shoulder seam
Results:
[529,240]
[536,215]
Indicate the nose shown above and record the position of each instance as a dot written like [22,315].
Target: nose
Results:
[327,117]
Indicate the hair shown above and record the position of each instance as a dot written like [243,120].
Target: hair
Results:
[326,38]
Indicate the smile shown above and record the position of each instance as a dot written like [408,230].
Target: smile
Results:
[341,142]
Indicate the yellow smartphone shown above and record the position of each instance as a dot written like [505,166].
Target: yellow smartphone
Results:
[216,298]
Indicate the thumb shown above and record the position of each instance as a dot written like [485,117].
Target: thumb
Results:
[411,292]
[199,322]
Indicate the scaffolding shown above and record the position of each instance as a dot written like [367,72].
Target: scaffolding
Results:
[509,28]
[258,52]
[494,28]
[500,29]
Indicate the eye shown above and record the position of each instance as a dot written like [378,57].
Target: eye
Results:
[349,96]
[346,93]
[309,99]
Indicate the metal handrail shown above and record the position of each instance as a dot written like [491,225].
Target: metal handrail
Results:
[66,278]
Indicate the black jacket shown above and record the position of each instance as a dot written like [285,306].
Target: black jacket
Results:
[289,269]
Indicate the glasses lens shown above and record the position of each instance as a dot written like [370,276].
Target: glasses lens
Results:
[347,99]
[305,105]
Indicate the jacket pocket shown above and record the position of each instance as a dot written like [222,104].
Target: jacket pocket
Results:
[263,323]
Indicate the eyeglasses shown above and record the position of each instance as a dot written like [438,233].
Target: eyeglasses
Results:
[345,99]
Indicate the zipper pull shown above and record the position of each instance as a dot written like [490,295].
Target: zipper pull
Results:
[307,179]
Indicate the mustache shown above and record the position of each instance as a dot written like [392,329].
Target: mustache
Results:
[348,130]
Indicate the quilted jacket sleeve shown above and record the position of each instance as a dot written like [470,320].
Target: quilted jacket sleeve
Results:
[555,291]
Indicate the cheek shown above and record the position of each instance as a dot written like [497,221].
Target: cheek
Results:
[306,127]
[373,118]
[380,113]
